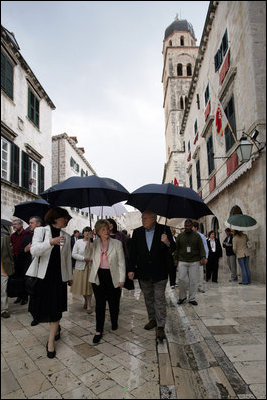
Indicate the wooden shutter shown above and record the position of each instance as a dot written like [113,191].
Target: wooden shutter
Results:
[25,170]
[14,173]
[6,76]
[40,178]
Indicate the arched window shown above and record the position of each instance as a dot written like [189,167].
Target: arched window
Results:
[189,70]
[215,227]
[236,210]
[180,69]
[170,43]
[182,40]
[181,103]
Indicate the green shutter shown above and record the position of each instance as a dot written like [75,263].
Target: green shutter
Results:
[14,173]
[40,178]
[6,76]
[25,170]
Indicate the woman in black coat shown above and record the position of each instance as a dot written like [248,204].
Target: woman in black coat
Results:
[215,252]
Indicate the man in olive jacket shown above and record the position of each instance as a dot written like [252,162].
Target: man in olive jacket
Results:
[151,251]
[189,253]
[7,269]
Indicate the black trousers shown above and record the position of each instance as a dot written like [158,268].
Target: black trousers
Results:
[106,292]
[212,270]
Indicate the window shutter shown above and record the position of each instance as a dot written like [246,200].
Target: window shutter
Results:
[40,178]
[6,76]
[25,170]
[14,173]
[198,174]
[210,154]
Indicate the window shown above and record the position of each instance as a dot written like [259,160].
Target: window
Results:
[210,153]
[190,182]
[207,94]
[33,108]
[6,76]
[170,43]
[181,103]
[218,58]
[195,127]
[182,41]
[198,102]
[230,114]
[9,161]
[32,174]
[198,174]
[75,165]
[180,70]
[188,146]
[189,70]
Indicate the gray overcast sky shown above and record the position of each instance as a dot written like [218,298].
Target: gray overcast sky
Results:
[101,63]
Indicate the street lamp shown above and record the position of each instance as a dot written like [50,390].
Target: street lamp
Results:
[244,149]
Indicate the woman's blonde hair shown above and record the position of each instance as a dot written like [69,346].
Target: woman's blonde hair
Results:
[100,224]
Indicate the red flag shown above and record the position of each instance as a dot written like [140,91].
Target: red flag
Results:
[175,182]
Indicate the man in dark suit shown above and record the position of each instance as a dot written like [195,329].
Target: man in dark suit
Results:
[151,251]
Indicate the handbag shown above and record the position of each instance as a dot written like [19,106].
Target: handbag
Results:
[129,284]
[30,284]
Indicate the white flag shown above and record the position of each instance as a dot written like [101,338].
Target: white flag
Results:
[221,122]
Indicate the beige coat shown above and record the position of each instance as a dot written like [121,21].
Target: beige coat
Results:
[116,261]
[41,248]
[240,247]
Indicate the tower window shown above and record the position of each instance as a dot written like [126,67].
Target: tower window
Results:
[180,70]
[182,41]
[181,103]
[170,43]
[189,70]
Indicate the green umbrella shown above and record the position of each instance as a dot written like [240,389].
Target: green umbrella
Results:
[241,222]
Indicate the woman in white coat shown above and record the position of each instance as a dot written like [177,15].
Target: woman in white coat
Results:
[82,253]
[51,250]
[107,276]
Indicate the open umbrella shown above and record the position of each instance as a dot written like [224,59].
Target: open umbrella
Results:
[109,211]
[86,191]
[241,222]
[27,209]
[169,200]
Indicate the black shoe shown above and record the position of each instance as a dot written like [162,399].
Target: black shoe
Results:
[114,327]
[34,322]
[194,302]
[150,325]
[57,337]
[97,338]
[180,301]
[18,300]
[50,354]
[23,302]
[160,334]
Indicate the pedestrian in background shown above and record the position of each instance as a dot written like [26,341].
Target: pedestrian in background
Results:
[201,266]
[215,253]
[231,257]
[173,266]
[152,246]
[25,255]
[52,264]
[189,253]
[7,269]
[82,254]
[74,237]
[119,235]
[241,250]
[16,239]
[107,277]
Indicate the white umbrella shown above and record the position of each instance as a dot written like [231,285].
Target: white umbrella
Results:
[113,211]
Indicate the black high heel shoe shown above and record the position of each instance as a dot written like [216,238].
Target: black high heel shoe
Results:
[97,338]
[57,337]
[50,354]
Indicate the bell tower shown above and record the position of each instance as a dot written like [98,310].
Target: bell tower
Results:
[179,56]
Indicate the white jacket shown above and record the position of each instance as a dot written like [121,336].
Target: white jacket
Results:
[116,261]
[41,248]
[78,253]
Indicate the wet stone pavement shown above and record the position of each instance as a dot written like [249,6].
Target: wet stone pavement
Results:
[216,350]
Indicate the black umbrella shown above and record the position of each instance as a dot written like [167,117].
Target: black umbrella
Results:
[28,209]
[169,201]
[5,222]
[86,191]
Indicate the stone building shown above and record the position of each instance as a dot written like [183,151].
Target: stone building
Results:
[179,56]
[26,128]
[229,84]
[68,160]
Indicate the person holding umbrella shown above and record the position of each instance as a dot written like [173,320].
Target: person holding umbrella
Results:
[241,250]
[151,251]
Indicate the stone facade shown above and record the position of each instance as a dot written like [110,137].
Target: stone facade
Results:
[25,138]
[230,68]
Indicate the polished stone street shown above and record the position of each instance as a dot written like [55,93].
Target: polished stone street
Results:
[216,350]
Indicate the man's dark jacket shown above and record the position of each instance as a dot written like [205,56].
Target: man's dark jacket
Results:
[153,264]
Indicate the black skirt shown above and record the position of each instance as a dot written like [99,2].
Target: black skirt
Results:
[50,299]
